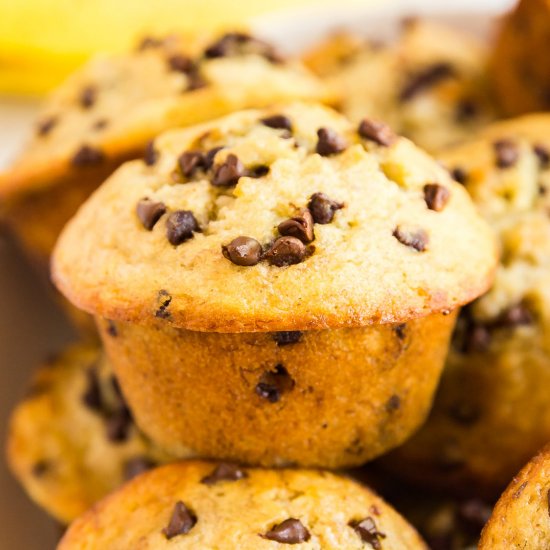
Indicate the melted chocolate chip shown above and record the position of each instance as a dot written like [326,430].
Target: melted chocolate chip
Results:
[322,208]
[87,156]
[149,212]
[46,126]
[436,196]
[118,425]
[279,122]
[329,142]
[181,521]
[92,394]
[111,329]
[136,466]
[425,79]
[543,154]
[287,337]
[243,251]
[189,162]
[286,251]
[393,403]
[506,153]
[181,63]
[88,97]
[274,383]
[224,472]
[417,239]
[290,531]
[460,175]
[151,155]
[164,299]
[229,172]
[377,131]
[180,226]
[299,226]
[366,529]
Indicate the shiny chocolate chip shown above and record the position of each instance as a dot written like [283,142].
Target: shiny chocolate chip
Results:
[506,153]
[273,384]
[290,531]
[322,208]
[229,172]
[366,529]
[417,239]
[436,196]
[224,472]
[181,521]
[378,132]
[87,156]
[286,251]
[329,142]
[279,122]
[287,337]
[299,226]
[149,212]
[243,251]
[180,226]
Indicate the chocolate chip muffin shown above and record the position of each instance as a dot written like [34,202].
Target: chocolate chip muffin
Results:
[107,112]
[224,506]
[429,85]
[492,410]
[279,287]
[520,77]
[521,518]
[72,439]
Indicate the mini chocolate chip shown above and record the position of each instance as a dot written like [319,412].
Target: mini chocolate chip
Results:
[149,42]
[149,212]
[225,45]
[151,155]
[464,413]
[299,226]
[119,424]
[195,81]
[506,153]
[181,521]
[426,78]
[436,196]
[393,403]
[377,131]
[88,97]
[543,154]
[257,171]
[274,383]
[400,330]
[164,300]
[548,501]
[287,337]
[87,156]
[515,316]
[180,226]
[209,157]
[290,531]
[329,142]
[92,394]
[520,490]
[181,63]
[111,329]
[473,514]
[100,124]
[286,251]
[243,251]
[459,174]
[417,239]
[279,122]
[136,466]
[466,110]
[322,208]
[189,162]
[229,172]
[46,126]
[40,468]
[224,472]
[366,529]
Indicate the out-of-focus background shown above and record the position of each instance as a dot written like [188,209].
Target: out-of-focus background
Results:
[41,41]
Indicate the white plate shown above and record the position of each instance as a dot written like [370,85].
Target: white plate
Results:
[30,325]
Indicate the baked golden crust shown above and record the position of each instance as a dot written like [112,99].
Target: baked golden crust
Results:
[430,84]
[491,412]
[361,270]
[521,517]
[66,444]
[240,513]
[330,399]
[519,75]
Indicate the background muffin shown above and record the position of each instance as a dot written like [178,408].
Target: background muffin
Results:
[204,505]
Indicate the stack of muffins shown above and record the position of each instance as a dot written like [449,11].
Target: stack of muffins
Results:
[275,287]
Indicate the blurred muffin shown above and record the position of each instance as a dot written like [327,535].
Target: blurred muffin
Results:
[208,505]
[492,411]
[521,519]
[519,74]
[273,280]
[72,439]
[429,86]
[107,112]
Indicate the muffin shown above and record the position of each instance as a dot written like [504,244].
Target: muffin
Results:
[107,112]
[429,85]
[521,516]
[492,411]
[520,77]
[72,440]
[267,289]
[208,505]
